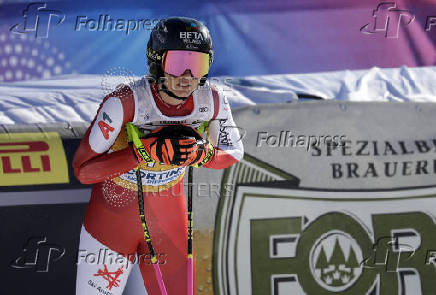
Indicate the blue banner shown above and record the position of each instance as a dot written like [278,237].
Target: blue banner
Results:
[45,39]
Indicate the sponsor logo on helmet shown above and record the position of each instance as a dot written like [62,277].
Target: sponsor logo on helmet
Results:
[192,27]
[160,37]
[191,37]
[191,46]
[153,54]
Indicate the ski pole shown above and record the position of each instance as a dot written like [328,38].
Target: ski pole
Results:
[190,227]
[147,236]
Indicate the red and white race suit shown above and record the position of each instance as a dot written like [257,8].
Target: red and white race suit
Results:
[112,232]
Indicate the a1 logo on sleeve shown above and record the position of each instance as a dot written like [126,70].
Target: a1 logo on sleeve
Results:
[107,125]
[104,125]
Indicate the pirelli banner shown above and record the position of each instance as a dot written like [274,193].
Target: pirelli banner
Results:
[331,198]
[32,158]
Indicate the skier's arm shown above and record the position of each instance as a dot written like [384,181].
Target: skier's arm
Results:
[92,162]
[225,138]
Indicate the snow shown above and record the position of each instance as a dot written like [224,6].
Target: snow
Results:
[75,98]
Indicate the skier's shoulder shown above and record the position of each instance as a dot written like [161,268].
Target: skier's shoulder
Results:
[218,94]
[137,84]
[209,87]
[123,93]
[130,92]
[216,98]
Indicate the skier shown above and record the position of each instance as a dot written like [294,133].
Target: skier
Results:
[175,94]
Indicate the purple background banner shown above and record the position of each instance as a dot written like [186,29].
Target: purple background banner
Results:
[251,37]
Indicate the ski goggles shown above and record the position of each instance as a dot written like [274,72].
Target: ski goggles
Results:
[176,62]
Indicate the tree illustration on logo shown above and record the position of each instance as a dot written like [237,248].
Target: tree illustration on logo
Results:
[337,264]
[338,256]
[321,262]
[337,271]
[352,262]
[334,268]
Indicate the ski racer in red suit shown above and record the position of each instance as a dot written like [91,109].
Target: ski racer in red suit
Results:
[180,51]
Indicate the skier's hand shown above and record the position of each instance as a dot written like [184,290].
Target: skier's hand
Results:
[142,154]
[173,144]
[170,151]
[133,136]
[201,155]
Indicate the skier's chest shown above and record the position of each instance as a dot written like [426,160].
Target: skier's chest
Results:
[149,116]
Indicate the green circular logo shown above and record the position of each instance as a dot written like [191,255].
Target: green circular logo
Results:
[335,261]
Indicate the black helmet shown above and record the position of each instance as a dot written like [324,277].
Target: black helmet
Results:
[176,33]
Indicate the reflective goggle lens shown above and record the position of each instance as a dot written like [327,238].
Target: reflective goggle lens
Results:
[176,62]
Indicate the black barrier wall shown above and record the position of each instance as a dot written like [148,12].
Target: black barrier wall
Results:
[40,223]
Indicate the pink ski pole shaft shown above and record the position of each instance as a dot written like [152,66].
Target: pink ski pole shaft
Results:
[190,225]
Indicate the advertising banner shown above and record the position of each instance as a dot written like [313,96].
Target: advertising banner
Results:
[250,37]
[338,198]
[296,241]
[32,158]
